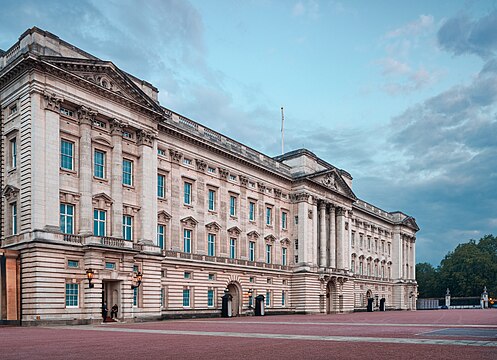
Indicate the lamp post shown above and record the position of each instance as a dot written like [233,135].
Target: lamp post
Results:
[138,280]
[89,275]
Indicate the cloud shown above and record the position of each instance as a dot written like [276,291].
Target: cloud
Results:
[309,8]
[462,35]
[392,66]
[416,27]
[403,80]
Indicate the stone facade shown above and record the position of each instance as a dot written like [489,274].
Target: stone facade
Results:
[97,174]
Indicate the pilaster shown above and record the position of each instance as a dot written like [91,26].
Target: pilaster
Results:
[333,241]
[116,128]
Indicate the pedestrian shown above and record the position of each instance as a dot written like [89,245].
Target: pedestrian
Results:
[113,311]
[104,311]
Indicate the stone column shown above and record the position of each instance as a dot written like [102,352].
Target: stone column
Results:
[147,186]
[314,244]
[303,229]
[86,117]
[340,231]
[413,258]
[322,234]
[397,252]
[116,181]
[332,251]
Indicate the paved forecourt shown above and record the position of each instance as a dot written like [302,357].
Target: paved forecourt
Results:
[413,335]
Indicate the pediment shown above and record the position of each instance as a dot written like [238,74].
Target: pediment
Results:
[213,226]
[235,230]
[10,192]
[253,235]
[332,179]
[285,241]
[190,221]
[163,216]
[102,196]
[270,238]
[106,76]
[410,222]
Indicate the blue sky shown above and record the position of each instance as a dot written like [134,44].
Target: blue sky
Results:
[402,94]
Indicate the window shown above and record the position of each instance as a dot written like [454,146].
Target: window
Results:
[13,211]
[13,109]
[127,227]
[66,218]
[352,239]
[162,297]
[127,172]
[13,153]
[72,295]
[99,228]
[160,236]
[361,239]
[100,124]
[66,112]
[186,297]
[251,279]
[187,275]
[110,265]
[251,251]
[211,170]
[66,155]
[268,254]
[268,298]
[361,270]
[212,277]
[211,245]
[161,183]
[369,242]
[376,245]
[187,241]
[187,193]
[269,216]
[212,200]
[99,164]
[389,249]
[73,263]
[135,297]
[352,266]
[187,161]
[283,256]
[269,281]
[283,220]
[210,298]
[161,152]
[127,135]
[232,205]
[382,271]
[283,299]
[251,211]
[233,177]
[232,248]
[296,220]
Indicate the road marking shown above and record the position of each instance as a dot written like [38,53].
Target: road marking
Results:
[355,339]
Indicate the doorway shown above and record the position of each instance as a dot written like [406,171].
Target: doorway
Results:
[331,298]
[234,291]
[111,295]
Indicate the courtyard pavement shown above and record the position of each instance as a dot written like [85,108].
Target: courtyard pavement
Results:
[436,334]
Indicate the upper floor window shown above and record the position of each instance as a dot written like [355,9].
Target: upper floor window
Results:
[251,211]
[66,112]
[99,164]
[232,248]
[99,222]
[187,193]
[352,266]
[161,186]
[13,109]
[66,155]
[127,172]
[161,152]
[211,245]
[127,227]
[187,241]
[352,238]
[268,253]
[13,153]
[99,123]
[269,215]
[127,135]
[160,236]
[13,212]
[212,200]
[232,205]
[187,161]
[233,177]
[284,216]
[66,218]
[211,170]
[283,256]
[251,251]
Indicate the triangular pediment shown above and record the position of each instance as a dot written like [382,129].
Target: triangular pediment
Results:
[8,190]
[253,235]
[189,220]
[106,76]
[285,241]
[102,196]
[410,222]
[213,226]
[163,216]
[269,238]
[333,180]
[235,231]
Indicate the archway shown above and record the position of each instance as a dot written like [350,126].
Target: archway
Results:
[236,303]
[331,297]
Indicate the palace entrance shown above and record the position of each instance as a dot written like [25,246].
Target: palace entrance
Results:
[111,294]
[236,303]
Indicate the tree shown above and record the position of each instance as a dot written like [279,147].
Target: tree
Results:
[428,280]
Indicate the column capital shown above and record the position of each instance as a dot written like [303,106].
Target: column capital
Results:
[86,115]
[300,197]
[322,204]
[117,126]
[52,101]
[340,211]
[146,137]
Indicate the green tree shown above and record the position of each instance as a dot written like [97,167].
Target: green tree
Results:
[428,281]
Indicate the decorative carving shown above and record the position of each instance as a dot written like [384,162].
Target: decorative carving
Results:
[52,101]
[329,181]
[340,211]
[303,196]
[175,155]
[262,186]
[10,193]
[285,241]
[117,126]
[189,221]
[234,231]
[201,164]
[163,217]
[243,180]
[309,213]
[101,200]
[213,226]
[270,238]
[145,137]
[322,205]
[277,192]
[86,115]
[69,197]
[253,235]
[223,173]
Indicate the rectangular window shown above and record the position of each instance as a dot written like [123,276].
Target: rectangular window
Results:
[73,263]
[13,153]
[110,265]
[268,298]
[251,211]
[187,161]
[13,109]
[66,112]
[283,220]
[72,295]
[283,298]
[212,276]
[212,200]
[99,222]
[161,152]
[232,205]
[269,216]
[127,227]
[352,239]
[127,172]
[210,298]
[369,242]
[135,297]
[161,186]
[187,241]
[160,236]
[233,177]
[211,245]
[361,270]
[66,218]
[232,248]
[352,266]
[268,254]
[187,193]
[186,297]
[66,155]
[99,164]
[251,251]
[211,170]
[283,256]
[389,249]
[187,275]
[162,298]
[13,211]
[251,279]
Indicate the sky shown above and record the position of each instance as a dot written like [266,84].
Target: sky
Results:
[401,94]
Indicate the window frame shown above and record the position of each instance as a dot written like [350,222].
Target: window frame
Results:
[252,207]
[66,216]
[127,227]
[161,186]
[211,244]
[97,167]
[233,248]
[161,236]
[284,220]
[233,205]
[269,215]
[71,295]
[187,240]
[99,221]
[251,250]
[13,214]
[13,152]
[269,257]
[127,175]
[187,195]
[211,200]
[64,156]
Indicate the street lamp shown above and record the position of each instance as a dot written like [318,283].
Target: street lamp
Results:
[89,275]
[138,280]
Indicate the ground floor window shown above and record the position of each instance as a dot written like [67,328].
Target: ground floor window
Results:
[210,298]
[268,298]
[283,299]
[72,295]
[135,297]
[186,297]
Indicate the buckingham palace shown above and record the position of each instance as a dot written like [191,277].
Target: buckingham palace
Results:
[109,197]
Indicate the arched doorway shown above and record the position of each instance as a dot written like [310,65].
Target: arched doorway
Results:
[234,291]
[331,298]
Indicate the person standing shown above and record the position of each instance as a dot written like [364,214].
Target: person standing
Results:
[104,311]
[113,311]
